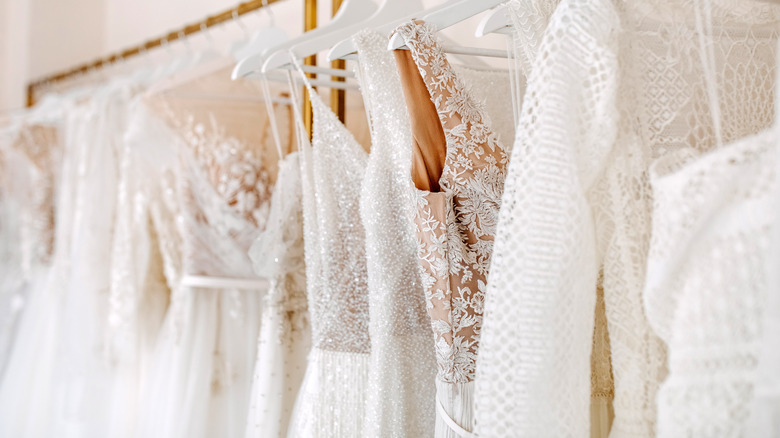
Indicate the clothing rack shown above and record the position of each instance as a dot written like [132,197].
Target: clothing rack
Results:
[203,25]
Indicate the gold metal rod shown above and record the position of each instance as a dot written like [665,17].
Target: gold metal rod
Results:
[309,23]
[213,20]
[338,97]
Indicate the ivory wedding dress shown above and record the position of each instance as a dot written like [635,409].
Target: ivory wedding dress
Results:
[455,228]
[712,283]
[285,332]
[30,159]
[401,391]
[578,204]
[331,401]
[57,381]
[206,206]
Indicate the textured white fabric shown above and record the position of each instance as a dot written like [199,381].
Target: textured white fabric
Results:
[456,226]
[707,282]
[400,392]
[331,402]
[285,332]
[206,206]
[57,378]
[613,85]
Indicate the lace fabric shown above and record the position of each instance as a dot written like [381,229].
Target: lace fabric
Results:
[455,227]
[638,95]
[207,205]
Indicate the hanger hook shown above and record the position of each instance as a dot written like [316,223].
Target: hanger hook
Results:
[237,20]
[183,37]
[204,28]
[271,18]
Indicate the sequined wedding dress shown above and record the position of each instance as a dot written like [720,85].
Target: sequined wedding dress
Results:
[331,401]
[577,204]
[401,391]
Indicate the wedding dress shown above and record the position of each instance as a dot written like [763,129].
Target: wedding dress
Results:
[711,282]
[30,159]
[331,401]
[577,204]
[209,206]
[57,377]
[707,281]
[455,228]
[285,332]
[401,392]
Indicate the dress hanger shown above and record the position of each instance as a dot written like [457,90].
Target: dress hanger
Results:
[350,13]
[251,54]
[496,21]
[350,10]
[452,13]
[389,11]
[346,48]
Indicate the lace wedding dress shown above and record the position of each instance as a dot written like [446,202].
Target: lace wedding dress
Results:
[331,401]
[285,332]
[578,202]
[455,229]
[208,206]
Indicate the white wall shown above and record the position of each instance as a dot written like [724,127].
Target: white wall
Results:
[40,37]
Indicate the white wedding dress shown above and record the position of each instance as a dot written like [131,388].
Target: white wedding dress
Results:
[285,331]
[207,205]
[577,204]
[57,380]
[401,392]
[331,401]
[30,159]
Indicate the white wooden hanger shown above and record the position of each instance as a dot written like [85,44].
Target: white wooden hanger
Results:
[389,11]
[452,13]
[251,55]
[350,13]
[496,21]
[346,48]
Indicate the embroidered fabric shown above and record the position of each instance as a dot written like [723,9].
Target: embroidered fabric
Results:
[331,402]
[455,226]
[208,205]
[578,202]
[285,333]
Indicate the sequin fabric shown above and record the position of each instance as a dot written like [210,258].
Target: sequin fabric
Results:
[331,402]
[401,390]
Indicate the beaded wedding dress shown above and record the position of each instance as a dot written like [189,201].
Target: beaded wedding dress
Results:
[331,401]
[401,391]
[577,204]
[285,332]
[455,229]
